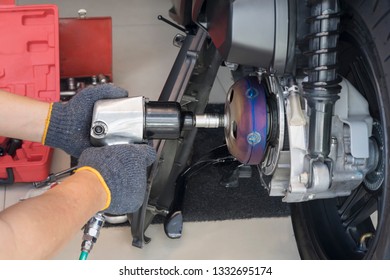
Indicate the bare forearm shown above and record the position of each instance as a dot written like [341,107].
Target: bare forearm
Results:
[38,227]
[22,117]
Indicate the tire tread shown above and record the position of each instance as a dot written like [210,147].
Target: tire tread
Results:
[383,17]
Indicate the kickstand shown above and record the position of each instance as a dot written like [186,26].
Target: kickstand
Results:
[173,224]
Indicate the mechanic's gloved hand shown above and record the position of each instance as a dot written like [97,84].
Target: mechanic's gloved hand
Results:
[68,124]
[123,171]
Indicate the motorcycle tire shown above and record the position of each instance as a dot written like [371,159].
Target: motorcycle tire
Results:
[358,226]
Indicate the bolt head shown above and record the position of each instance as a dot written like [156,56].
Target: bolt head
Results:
[253,138]
[99,129]
[304,178]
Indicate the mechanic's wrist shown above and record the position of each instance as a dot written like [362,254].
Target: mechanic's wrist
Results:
[96,180]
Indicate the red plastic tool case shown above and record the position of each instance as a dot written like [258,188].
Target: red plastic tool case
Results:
[29,66]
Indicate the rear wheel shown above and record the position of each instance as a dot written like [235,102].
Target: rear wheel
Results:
[356,227]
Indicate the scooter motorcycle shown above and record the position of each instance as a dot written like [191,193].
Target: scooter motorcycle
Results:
[308,110]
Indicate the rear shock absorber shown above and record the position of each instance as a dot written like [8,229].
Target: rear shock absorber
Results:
[322,88]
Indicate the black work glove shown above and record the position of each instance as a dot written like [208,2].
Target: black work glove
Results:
[124,170]
[69,123]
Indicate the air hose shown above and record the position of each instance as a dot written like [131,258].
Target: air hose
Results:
[83,256]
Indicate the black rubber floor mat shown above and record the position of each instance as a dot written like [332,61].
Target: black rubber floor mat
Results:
[207,199]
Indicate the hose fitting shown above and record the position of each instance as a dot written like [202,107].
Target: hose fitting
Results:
[91,234]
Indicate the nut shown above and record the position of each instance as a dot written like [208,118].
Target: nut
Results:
[304,178]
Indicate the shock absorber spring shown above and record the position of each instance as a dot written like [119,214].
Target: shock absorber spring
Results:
[321,90]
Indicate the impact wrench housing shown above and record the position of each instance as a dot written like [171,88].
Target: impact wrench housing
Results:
[136,120]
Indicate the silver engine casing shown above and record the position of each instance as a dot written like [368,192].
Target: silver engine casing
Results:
[352,155]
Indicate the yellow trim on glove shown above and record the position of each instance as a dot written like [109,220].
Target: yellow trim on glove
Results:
[101,179]
[47,122]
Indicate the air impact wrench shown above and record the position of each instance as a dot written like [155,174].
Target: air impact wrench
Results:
[136,120]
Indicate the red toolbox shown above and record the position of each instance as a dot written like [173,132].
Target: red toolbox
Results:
[89,38]
[29,66]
